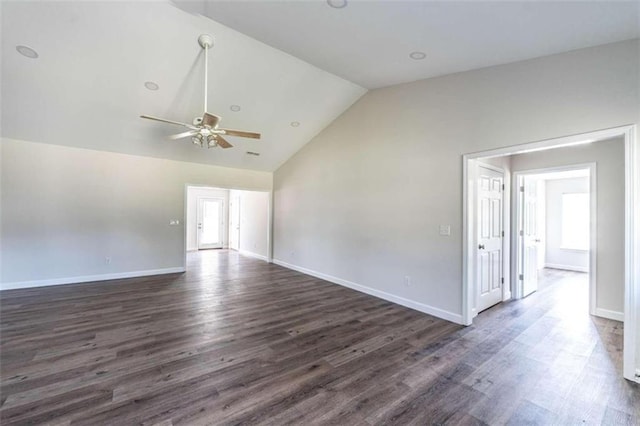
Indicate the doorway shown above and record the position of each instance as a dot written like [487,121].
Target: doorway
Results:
[220,218]
[210,223]
[555,212]
[629,237]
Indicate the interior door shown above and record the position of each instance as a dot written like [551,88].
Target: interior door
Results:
[529,235]
[234,223]
[490,233]
[210,221]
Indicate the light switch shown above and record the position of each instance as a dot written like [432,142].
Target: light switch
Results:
[445,230]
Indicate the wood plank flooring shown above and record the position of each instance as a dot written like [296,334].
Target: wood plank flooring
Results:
[239,341]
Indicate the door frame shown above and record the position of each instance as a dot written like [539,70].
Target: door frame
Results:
[235,199]
[631,356]
[221,227]
[506,294]
[516,212]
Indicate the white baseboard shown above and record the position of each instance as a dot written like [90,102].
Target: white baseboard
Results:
[89,278]
[427,309]
[506,296]
[252,254]
[567,267]
[613,315]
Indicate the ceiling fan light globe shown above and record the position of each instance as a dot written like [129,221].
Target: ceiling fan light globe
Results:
[212,142]
[197,139]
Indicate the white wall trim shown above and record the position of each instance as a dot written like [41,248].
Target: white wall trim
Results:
[612,315]
[254,255]
[421,307]
[90,278]
[567,267]
[631,356]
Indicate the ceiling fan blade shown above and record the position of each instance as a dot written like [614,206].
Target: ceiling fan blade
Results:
[230,132]
[148,117]
[183,135]
[210,120]
[222,142]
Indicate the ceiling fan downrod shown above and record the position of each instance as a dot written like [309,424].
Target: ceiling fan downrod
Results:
[205,41]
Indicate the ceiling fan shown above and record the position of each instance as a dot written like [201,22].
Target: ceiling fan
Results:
[205,131]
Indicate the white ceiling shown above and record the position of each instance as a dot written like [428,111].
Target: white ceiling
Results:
[86,89]
[368,42]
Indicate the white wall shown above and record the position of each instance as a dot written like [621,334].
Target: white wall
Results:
[195,192]
[65,209]
[609,159]
[362,202]
[254,223]
[556,255]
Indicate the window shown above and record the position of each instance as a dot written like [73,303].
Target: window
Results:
[575,221]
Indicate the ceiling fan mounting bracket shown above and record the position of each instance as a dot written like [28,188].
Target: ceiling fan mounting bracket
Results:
[205,41]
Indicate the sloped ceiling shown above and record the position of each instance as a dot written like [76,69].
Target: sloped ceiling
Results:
[369,42]
[86,89]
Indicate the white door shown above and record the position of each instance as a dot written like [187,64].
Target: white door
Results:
[234,223]
[490,233]
[210,221]
[529,235]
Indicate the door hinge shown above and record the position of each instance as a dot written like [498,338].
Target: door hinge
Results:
[501,280]
[522,189]
[503,233]
[503,186]
[521,233]
[521,277]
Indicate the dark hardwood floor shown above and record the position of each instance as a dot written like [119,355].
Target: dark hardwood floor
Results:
[239,341]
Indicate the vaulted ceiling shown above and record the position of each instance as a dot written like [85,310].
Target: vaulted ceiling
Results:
[369,42]
[279,61]
[86,88]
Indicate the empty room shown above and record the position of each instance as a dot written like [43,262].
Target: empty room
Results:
[319,212]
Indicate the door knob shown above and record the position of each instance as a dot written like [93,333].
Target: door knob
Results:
[481,247]
[536,240]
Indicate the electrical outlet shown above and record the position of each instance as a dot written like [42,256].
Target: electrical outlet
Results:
[445,230]
[407,280]
[174,222]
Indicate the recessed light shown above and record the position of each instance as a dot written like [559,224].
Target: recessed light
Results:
[27,51]
[337,4]
[235,108]
[151,85]
[294,124]
[255,154]
[417,55]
